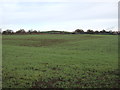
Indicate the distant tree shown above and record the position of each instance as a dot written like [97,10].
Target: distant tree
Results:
[0,31]
[96,32]
[21,31]
[38,31]
[30,31]
[115,33]
[118,32]
[103,31]
[34,31]
[89,31]
[4,32]
[8,31]
[79,31]
[110,32]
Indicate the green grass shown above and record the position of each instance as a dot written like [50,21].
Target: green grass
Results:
[60,61]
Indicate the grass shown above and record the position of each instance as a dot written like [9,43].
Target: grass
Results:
[60,61]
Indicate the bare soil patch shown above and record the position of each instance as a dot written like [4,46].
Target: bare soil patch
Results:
[43,42]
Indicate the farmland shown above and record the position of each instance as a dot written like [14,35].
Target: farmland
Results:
[60,61]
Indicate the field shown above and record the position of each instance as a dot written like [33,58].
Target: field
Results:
[60,61]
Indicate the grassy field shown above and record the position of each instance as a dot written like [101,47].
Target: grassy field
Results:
[60,61]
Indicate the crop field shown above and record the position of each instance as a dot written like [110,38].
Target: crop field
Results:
[60,61]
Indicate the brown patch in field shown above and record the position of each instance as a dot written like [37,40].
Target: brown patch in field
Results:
[38,39]
[43,42]
[49,84]
[38,42]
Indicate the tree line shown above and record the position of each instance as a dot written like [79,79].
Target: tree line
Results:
[77,31]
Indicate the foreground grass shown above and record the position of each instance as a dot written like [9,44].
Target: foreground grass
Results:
[60,61]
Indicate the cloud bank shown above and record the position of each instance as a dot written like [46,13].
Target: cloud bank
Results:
[58,14]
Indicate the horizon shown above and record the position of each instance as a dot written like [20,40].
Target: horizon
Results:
[59,15]
[57,30]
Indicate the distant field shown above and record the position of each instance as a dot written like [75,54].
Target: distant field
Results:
[60,61]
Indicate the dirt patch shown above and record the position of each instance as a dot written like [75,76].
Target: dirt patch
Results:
[43,42]
[38,42]
[48,84]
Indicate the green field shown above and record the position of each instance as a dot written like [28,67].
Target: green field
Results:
[60,61]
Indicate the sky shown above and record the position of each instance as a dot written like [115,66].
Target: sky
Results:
[64,15]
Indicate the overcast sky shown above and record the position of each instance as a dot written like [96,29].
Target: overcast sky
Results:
[59,14]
